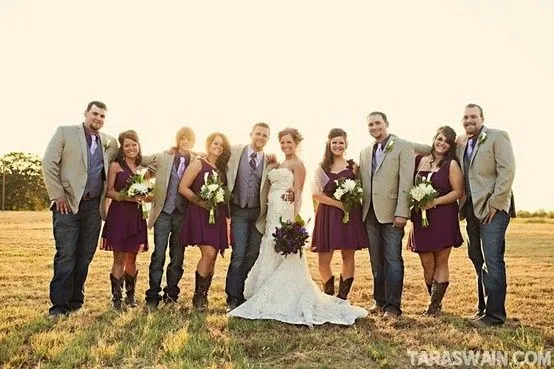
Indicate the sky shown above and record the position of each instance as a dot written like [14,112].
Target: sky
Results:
[313,65]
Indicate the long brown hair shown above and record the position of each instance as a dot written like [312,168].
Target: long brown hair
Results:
[223,159]
[328,157]
[133,136]
[450,135]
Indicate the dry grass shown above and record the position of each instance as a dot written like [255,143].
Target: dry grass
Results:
[176,337]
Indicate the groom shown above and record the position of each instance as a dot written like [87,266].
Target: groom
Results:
[247,179]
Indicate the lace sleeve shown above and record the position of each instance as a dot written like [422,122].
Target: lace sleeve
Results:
[319,182]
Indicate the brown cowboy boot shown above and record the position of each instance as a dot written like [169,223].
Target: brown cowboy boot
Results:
[344,287]
[201,287]
[329,286]
[117,291]
[437,294]
[130,283]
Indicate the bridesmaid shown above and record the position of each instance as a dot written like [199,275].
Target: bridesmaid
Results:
[330,233]
[125,230]
[210,238]
[433,243]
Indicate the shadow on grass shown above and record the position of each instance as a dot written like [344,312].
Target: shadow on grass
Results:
[269,344]
[203,343]
[15,347]
[78,351]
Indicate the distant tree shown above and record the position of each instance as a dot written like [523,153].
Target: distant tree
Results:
[21,176]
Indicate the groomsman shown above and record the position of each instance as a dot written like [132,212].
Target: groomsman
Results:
[488,166]
[247,180]
[166,216]
[387,169]
[75,168]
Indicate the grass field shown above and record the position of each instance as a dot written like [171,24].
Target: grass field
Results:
[177,337]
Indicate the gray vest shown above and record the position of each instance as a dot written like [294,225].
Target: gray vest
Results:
[246,193]
[95,177]
[173,199]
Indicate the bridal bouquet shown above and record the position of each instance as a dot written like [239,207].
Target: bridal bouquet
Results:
[291,236]
[137,185]
[213,192]
[421,194]
[350,193]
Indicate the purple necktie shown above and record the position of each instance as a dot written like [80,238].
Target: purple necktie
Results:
[93,144]
[181,167]
[253,161]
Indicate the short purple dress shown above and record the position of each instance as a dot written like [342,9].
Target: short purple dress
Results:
[329,232]
[125,229]
[196,230]
[444,227]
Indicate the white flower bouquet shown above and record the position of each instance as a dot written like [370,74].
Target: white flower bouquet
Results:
[350,193]
[421,194]
[138,185]
[213,192]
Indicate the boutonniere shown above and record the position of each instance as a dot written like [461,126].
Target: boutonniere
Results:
[107,143]
[390,145]
[482,137]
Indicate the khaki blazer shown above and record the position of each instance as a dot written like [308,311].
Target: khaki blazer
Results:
[491,171]
[392,180]
[65,165]
[232,170]
[161,166]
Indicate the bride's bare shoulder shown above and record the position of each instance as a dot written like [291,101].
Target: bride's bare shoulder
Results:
[297,165]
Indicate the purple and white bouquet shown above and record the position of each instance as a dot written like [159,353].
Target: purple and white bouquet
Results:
[350,193]
[291,236]
[421,194]
[213,192]
[138,185]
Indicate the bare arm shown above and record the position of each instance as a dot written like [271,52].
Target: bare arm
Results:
[111,193]
[324,199]
[192,171]
[299,177]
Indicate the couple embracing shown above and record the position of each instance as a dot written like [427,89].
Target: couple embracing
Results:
[262,284]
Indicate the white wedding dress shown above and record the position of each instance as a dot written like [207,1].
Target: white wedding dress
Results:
[280,287]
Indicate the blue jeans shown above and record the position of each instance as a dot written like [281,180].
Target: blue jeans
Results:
[246,247]
[167,228]
[486,248]
[76,238]
[387,265]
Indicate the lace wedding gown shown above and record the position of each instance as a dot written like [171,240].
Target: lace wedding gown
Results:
[280,287]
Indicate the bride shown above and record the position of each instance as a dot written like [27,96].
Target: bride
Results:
[280,287]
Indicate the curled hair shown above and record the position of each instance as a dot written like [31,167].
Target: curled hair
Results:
[184,132]
[328,156]
[293,132]
[450,135]
[223,159]
[133,136]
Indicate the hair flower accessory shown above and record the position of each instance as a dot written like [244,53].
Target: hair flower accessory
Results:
[482,137]
[390,145]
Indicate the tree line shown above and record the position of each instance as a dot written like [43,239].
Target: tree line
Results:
[22,183]
[23,186]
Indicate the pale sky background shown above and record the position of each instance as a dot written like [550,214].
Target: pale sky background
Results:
[313,65]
